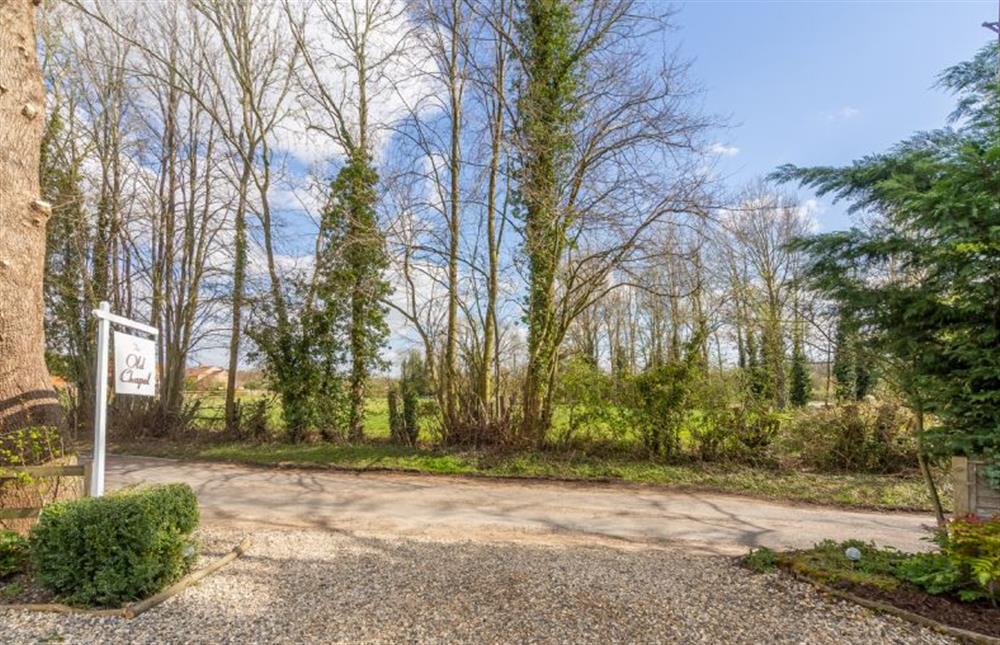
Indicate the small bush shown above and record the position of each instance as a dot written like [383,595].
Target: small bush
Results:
[741,433]
[586,393]
[761,560]
[657,403]
[935,573]
[105,551]
[13,553]
[253,419]
[131,418]
[404,415]
[862,437]
[968,565]
[973,547]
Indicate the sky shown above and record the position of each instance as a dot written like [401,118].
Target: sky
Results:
[823,83]
[807,83]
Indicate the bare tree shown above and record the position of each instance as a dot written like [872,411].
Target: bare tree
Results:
[763,270]
[259,71]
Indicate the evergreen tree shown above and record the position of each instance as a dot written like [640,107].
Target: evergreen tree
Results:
[928,291]
[801,379]
[844,360]
[865,377]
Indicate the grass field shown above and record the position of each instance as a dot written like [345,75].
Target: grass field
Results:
[212,411]
[212,404]
[621,464]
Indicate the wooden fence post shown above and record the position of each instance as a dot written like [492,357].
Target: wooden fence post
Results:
[960,477]
[88,468]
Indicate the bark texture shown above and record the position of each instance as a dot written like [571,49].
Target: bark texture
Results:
[26,395]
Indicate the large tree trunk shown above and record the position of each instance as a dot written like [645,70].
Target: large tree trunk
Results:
[26,395]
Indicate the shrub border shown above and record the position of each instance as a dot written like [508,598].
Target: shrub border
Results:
[133,609]
[882,607]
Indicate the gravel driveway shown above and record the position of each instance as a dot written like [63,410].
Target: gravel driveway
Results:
[322,586]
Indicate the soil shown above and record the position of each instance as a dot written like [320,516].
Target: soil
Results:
[22,588]
[981,616]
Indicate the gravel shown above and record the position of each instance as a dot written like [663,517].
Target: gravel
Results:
[312,586]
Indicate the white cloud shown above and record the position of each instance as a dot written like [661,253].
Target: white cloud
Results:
[843,114]
[809,212]
[723,150]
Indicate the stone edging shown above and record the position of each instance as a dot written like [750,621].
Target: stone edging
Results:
[956,632]
[132,610]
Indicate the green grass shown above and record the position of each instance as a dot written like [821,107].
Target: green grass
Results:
[211,412]
[617,461]
[827,563]
[845,490]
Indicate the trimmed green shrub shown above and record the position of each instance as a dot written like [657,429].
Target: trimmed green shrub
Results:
[13,553]
[105,551]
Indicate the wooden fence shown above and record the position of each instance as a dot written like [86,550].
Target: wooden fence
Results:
[973,493]
[41,472]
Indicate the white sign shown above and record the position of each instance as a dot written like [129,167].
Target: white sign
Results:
[135,365]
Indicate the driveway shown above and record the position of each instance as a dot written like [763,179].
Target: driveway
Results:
[454,508]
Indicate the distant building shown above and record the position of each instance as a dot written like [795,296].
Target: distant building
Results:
[205,377]
[210,377]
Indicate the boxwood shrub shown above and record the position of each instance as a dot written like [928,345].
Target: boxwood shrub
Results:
[106,551]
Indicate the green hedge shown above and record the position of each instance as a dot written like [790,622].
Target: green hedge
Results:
[106,551]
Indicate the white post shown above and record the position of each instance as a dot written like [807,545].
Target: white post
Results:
[101,404]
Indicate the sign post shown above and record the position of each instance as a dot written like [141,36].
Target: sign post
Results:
[135,373]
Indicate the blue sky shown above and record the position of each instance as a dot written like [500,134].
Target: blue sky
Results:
[823,83]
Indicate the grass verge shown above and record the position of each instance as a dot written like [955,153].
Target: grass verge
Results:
[864,491]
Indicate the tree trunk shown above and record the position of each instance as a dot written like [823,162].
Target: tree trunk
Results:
[487,384]
[26,395]
[238,295]
[925,469]
[454,168]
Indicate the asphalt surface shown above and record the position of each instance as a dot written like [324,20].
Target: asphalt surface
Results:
[455,508]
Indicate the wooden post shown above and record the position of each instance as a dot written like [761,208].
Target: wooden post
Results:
[88,473]
[960,477]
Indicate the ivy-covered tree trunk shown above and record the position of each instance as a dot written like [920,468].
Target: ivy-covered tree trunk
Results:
[546,31]
[356,275]
[26,395]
